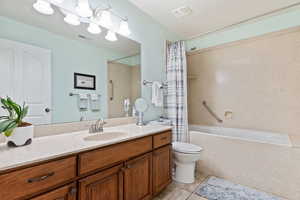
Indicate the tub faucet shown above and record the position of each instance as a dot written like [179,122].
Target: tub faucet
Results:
[97,127]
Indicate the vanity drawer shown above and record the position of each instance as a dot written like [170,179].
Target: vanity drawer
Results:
[68,192]
[162,139]
[21,183]
[101,158]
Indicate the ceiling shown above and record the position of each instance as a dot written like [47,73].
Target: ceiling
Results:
[207,15]
[22,11]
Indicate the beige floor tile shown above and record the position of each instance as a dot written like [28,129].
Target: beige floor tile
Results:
[174,194]
[196,197]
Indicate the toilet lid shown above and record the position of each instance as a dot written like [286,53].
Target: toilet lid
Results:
[186,147]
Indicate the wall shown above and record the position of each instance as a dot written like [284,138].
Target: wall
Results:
[132,60]
[279,21]
[257,79]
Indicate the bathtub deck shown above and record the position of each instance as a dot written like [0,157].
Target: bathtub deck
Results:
[244,134]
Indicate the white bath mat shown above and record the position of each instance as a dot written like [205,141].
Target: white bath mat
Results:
[220,189]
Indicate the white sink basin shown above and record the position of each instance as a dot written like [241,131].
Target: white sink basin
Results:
[105,136]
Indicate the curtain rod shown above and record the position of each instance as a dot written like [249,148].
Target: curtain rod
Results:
[245,21]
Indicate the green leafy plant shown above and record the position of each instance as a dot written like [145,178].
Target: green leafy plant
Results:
[14,119]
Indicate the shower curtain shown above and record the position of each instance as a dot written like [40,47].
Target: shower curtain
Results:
[176,95]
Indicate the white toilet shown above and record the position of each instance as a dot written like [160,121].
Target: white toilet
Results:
[185,157]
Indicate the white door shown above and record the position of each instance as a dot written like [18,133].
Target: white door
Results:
[26,77]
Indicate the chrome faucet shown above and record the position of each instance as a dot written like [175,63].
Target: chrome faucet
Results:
[97,127]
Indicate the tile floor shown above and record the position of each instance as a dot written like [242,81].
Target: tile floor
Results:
[178,191]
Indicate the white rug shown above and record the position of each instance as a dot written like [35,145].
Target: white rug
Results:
[220,189]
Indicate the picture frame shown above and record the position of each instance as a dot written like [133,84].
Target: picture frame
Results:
[84,81]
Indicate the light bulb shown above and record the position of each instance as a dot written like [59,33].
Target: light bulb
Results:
[83,9]
[72,19]
[43,7]
[124,29]
[111,36]
[94,28]
[105,19]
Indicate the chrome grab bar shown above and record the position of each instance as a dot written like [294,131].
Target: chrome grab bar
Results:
[212,112]
[112,90]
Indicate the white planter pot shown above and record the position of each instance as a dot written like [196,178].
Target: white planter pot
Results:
[21,136]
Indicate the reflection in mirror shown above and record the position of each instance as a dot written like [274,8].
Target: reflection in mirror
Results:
[65,73]
[124,76]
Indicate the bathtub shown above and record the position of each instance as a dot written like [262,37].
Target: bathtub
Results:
[244,134]
[262,160]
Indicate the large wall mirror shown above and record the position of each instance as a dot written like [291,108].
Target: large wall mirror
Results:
[63,72]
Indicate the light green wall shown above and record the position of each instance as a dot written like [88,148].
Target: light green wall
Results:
[283,20]
[68,56]
[131,61]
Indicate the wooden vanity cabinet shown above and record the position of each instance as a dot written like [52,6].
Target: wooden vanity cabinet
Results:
[138,178]
[24,183]
[133,170]
[105,185]
[162,168]
[68,192]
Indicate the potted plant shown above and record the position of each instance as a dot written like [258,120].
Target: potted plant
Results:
[18,132]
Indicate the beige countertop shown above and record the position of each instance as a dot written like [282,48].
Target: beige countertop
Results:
[49,147]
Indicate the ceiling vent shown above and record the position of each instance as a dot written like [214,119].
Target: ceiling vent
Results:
[182,11]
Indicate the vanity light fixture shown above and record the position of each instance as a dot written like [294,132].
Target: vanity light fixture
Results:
[80,11]
[124,29]
[43,7]
[72,19]
[111,36]
[94,28]
[83,8]
[58,1]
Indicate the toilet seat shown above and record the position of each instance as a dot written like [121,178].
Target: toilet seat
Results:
[186,148]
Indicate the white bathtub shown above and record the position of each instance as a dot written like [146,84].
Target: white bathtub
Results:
[244,134]
[258,159]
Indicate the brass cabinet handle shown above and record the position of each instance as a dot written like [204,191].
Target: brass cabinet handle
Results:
[40,178]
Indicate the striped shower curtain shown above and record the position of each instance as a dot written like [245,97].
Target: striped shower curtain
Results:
[176,95]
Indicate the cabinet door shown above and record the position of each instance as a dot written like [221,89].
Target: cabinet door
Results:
[138,178]
[68,192]
[106,185]
[162,169]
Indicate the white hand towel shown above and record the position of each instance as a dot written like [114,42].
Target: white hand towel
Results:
[83,101]
[94,97]
[157,94]
[83,96]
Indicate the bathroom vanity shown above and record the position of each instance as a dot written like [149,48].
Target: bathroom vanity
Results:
[136,166]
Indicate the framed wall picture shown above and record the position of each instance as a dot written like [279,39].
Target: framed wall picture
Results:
[84,81]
